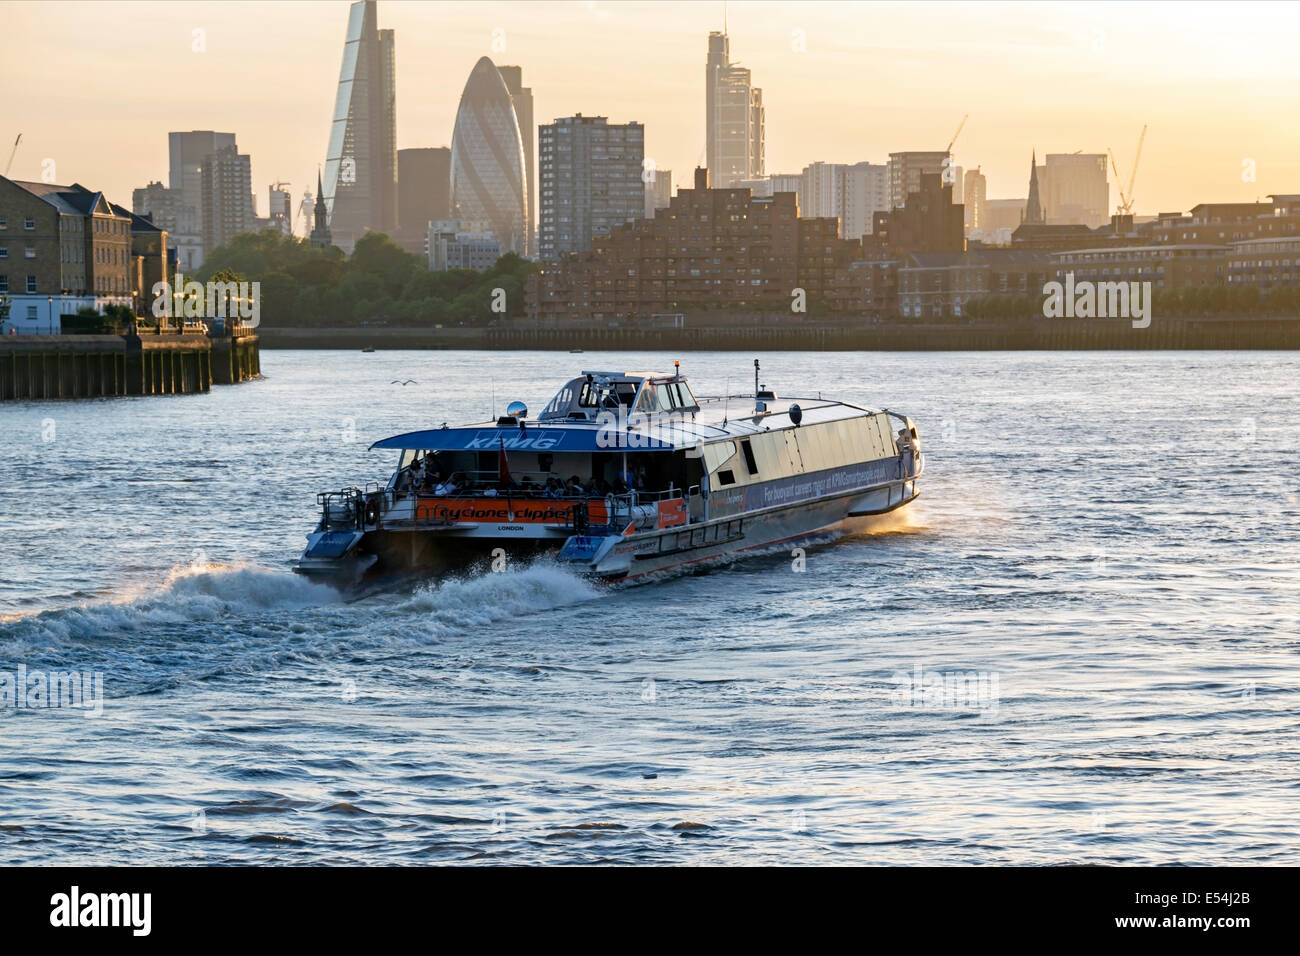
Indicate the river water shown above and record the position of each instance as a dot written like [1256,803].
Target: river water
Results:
[1080,645]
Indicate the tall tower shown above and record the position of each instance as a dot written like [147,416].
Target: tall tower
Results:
[734,118]
[591,181]
[1034,206]
[320,233]
[522,96]
[361,162]
[974,197]
[489,175]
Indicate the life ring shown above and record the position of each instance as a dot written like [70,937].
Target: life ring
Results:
[372,510]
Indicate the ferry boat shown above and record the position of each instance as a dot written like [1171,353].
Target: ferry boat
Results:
[622,475]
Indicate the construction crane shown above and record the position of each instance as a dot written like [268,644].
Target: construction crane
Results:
[1126,195]
[12,153]
[960,127]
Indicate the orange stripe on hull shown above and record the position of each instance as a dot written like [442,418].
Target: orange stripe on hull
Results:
[514,511]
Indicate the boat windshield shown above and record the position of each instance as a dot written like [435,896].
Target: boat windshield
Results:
[598,394]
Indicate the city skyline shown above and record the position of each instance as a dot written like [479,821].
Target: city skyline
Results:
[1227,91]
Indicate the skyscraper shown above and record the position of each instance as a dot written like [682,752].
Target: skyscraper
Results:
[167,209]
[1075,189]
[226,186]
[850,193]
[361,161]
[733,118]
[423,194]
[866,192]
[523,100]
[186,153]
[907,168]
[974,198]
[489,174]
[591,181]
[658,191]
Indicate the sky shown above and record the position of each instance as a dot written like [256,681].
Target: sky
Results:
[1217,83]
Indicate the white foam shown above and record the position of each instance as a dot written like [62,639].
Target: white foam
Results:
[189,593]
[453,604]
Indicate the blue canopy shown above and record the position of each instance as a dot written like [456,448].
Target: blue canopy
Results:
[541,438]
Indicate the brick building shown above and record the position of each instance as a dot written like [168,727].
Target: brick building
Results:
[928,221]
[1222,223]
[708,250]
[940,285]
[1264,263]
[62,248]
[1165,266]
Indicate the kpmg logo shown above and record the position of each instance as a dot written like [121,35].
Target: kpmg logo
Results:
[1101,300]
[512,440]
[216,300]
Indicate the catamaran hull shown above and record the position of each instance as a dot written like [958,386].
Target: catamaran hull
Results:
[462,548]
[720,540]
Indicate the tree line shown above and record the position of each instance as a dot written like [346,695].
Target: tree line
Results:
[379,284]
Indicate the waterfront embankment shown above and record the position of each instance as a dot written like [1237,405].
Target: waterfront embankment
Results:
[92,366]
[1247,332]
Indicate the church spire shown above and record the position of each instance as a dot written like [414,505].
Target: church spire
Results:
[1034,206]
[321,238]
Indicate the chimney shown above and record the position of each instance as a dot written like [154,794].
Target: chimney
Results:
[701,177]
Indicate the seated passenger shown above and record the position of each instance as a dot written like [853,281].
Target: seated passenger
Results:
[573,488]
[447,487]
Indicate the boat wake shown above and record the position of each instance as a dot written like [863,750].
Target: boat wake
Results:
[456,604]
[187,594]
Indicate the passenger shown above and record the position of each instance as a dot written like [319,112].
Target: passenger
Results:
[448,487]
[573,488]
[553,488]
[620,486]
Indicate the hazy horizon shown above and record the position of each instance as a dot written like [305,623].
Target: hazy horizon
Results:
[1215,83]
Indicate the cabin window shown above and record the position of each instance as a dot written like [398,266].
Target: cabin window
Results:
[665,396]
[750,463]
[726,477]
[647,402]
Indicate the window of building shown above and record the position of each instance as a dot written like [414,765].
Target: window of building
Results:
[4,252]
[31,284]
[4,283]
[29,224]
[4,223]
[30,252]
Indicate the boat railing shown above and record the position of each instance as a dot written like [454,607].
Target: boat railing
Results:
[911,461]
[353,507]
